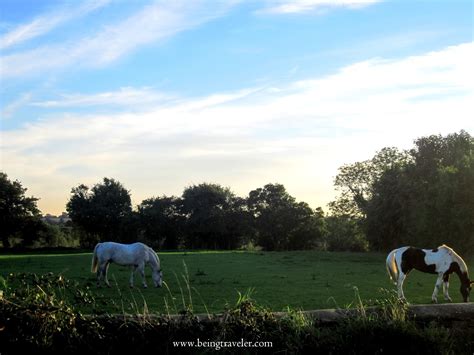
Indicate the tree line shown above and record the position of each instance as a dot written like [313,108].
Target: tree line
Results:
[423,196]
[206,216]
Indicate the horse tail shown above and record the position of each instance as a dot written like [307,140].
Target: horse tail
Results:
[392,267]
[95,260]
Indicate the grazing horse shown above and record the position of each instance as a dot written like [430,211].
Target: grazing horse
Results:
[442,261]
[135,255]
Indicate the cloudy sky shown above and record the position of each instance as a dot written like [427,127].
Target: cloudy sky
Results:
[161,95]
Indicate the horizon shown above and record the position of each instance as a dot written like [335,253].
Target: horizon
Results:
[160,96]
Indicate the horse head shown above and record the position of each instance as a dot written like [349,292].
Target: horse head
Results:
[157,276]
[157,273]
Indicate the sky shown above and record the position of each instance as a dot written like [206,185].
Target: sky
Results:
[163,95]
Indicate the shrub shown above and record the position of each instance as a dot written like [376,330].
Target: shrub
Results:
[36,317]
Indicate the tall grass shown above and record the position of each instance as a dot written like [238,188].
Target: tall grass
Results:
[38,316]
[186,306]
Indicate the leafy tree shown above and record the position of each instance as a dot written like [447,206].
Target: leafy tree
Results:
[211,217]
[355,181]
[345,234]
[102,212]
[18,213]
[421,197]
[161,222]
[441,182]
[310,228]
[54,235]
[386,223]
[238,222]
[282,223]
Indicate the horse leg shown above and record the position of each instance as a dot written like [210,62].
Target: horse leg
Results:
[134,268]
[401,279]
[446,287]
[434,297]
[101,272]
[106,269]
[141,269]
[99,275]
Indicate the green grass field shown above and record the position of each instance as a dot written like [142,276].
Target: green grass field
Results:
[299,280]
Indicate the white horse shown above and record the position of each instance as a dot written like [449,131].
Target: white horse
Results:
[135,255]
[442,261]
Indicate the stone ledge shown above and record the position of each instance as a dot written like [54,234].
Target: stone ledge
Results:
[443,313]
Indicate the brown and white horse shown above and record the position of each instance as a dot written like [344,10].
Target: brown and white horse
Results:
[442,261]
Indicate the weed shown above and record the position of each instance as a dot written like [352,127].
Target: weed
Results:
[393,308]
[36,316]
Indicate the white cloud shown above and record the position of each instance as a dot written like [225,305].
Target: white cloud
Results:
[8,111]
[46,23]
[297,134]
[302,6]
[126,96]
[153,23]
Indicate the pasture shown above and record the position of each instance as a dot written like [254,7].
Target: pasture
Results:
[208,281]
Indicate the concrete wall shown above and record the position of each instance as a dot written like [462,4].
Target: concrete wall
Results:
[449,315]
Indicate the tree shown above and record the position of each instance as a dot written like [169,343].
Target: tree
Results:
[238,222]
[161,222]
[101,212]
[442,194]
[386,223]
[310,228]
[355,181]
[17,211]
[213,217]
[281,223]
[356,206]
[345,234]
[422,197]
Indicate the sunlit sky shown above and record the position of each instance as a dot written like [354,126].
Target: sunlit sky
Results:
[161,95]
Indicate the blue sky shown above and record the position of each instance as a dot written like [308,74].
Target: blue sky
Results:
[164,94]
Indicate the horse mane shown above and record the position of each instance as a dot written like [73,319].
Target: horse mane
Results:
[459,260]
[155,257]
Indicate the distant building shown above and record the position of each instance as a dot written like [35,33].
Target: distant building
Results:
[62,219]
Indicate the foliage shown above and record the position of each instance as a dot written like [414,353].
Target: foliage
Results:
[35,319]
[19,215]
[422,197]
[355,181]
[281,223]
[102,212]
[215,217]
[161,222]
[345,233]
[431,200]
[56,236]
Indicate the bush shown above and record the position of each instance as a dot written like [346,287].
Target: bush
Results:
[35,317]
[345,234]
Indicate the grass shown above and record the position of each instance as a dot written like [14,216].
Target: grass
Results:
[209,281]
